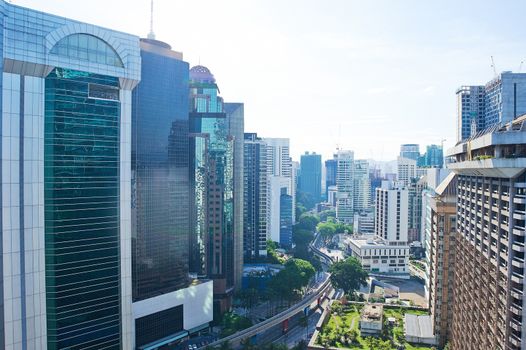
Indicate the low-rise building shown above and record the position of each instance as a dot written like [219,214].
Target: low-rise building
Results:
[418,329]
[377,256]
[371,319]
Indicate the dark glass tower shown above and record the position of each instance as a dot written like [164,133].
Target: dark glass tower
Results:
[331,169]
[255,199]
[310,178]
[160,187]
[81,187]
[213,173]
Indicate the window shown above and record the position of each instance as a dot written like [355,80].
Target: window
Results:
[87,47]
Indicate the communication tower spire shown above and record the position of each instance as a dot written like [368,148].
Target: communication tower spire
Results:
[151,34]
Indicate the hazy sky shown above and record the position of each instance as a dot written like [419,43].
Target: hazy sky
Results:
[367,75]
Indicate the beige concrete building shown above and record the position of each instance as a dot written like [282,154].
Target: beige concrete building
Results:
[489,271]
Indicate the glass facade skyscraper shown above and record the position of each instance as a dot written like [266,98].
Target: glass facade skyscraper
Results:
[161,230]
[209,124]
[310,178]
[255,198]
[66,125]
[81,206]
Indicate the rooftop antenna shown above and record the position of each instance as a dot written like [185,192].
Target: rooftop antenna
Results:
[520,67]
[493,66]
[151,34]
[339,138]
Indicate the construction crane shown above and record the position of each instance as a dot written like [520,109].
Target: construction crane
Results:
[493,66]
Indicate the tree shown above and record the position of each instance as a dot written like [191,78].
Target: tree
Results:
[326,214]
[308,222]
[327,230]
[292,279]
[348,275]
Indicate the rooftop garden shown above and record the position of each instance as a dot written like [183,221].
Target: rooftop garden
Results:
[342,330]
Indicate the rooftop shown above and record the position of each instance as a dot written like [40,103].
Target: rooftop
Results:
[372,312]
[418,326]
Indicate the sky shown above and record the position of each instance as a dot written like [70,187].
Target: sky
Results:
[354,74]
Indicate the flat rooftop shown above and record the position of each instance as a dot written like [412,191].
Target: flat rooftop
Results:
[372,312]
[418,326]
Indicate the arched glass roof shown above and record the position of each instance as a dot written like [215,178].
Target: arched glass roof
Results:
[89,48]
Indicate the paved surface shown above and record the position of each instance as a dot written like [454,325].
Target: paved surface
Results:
[411,289]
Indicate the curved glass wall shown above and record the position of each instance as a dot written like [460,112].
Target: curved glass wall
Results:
[87,47]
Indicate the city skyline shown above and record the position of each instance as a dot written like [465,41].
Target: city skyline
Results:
[360,53]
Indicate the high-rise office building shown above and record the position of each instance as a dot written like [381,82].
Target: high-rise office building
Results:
[470,111]
[285,218]
[276,186]
[361,186]
[407,170]
[66,124]
[164,302]
[345,187]
[310,178]
[505,98]
[410,151]
[439,242]
[331,168]
[280,173]
[415,188]
[210,132]
[499,101]
[235,116]
[255,197]
[392,212]
[434,157]
[488,309]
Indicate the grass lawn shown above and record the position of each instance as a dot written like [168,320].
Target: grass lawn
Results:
[349,320]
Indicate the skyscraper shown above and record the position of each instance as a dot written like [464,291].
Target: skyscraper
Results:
[255,197]
[406,170]
[440,231]
[499,101]
[310,178]
[210,132]
[361,186]
[505,98]
[410,151]
[280,174]
[490,243]
[434,157]
[345,187]
[66,124]
[160,217]
[235,116]
[470,111]
[331,168]
[392,212]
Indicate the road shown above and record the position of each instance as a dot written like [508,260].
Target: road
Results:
[299,333]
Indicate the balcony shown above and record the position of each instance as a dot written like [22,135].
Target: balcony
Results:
[519,215]
[518,231]
[516,293]
[515,277]
[515,325]
[518,247]
[515,310]
[518,262]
